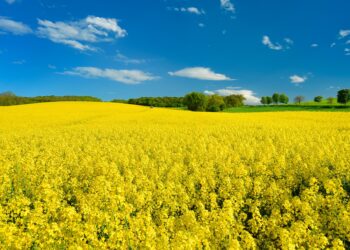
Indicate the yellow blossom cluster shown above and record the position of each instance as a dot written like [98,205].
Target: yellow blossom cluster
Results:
[115,176]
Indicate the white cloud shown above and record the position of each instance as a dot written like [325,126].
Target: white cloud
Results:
[195,10]
[123,76]
[274,46]
[192,10]
[314,45]
[287,43]
[227,5]
[200,73]
[344,33]
[14,27]
[108,24]
[79,33]
[202,25]
[251,99]
[333,45]
[297,79]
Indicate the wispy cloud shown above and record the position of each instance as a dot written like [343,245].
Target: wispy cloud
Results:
[297,79]
[16,28]
[314,45]
[228,6]
[79,34]
[19,62]
[51,66]
[344,33]
[347,51]
[288,41]
[123,76]
[191,10]
[276,46]
[200,73]
[251,98]
[127,60]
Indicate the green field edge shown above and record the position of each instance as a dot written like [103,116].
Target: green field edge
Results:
[280,108]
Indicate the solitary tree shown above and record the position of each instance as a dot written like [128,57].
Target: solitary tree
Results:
[318,98]
[331,100]
[234,100]
[215,103]
[298,99]
[283,98]
[263,100]
[344,96]
[196,101]
[276,98]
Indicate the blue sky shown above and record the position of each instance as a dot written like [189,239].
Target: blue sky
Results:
[124,49]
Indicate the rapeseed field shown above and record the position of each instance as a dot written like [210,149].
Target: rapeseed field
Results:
[115,176]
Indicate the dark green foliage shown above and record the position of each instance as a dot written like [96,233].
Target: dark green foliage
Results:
[318,99]
[268,100]
[276,98]
[119,101]
[283,98]
[169,102]
[9,99]
[263,100]
[215,103]
[196,101]
[343,96]
[234,101]
[53,98]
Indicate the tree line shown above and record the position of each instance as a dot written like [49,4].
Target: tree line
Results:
[276,98]
[194,101]
[167,102]
[213,103]
[9,98]
[343,97]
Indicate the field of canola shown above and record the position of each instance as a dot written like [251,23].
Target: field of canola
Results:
[114,176]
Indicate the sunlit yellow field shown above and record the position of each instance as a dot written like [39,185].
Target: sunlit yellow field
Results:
[98,175]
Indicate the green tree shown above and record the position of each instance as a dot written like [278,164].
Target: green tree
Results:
[318,98]
[331,100]
[215,103]
[343,96]
[263,100]
[196,101]
[234,101]
[268,100]
[275,98]
[298,99]
[283,98]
